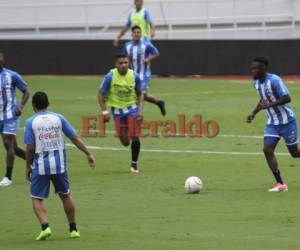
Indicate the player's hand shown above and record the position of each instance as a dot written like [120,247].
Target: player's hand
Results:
[146,60]
[28,174]
[139,119]
[106,117]
[250,118]
[19,110]
[91,160]
[152,33]
[116,42]
[264,104]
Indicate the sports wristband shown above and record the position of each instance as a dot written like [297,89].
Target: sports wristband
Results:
[105,112]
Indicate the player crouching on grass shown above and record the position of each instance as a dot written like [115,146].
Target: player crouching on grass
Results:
[121,89]
[46,161]
[274,98]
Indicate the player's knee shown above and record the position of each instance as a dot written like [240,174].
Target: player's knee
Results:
[125,143]
[268,151]
[294,150]
[8,144]
[64,196]
[295,154]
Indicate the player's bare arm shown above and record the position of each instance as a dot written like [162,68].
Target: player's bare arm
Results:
[252,115]
[25,97]
[152,26]
[102,103]
[122,32]
[284,100]
[141,107]
[30,150]
[80,145]
[150,58]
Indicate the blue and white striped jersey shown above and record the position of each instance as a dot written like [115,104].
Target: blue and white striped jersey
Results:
[137,53]
[9,81]
[45,130]
[271,90]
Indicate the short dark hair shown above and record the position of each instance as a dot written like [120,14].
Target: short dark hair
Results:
[136,27]
[40,100]
[120,55]
[261,60]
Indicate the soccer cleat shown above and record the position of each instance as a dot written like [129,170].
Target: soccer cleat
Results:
[278,187]
[161,105]
[74,234]
[44,234]
[134,167]
[134,170]
[5,182]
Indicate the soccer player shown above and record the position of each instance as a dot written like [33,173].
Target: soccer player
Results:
[121,90]
[274,98]
[141,53]
[138,17]
[46,161]
[10,111]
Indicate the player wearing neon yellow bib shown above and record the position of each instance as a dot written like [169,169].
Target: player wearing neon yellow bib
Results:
[139,17]
[121,89]
[142,19]
[122,93]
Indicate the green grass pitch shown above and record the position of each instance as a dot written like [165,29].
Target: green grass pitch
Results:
[150,211]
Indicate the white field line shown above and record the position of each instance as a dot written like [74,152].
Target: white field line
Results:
[241,136]
[176,151]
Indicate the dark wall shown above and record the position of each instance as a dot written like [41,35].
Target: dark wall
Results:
[192,57]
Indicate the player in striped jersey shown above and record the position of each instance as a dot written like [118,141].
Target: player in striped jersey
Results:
[10,112]
[274,98]
[141,53]
[47,161]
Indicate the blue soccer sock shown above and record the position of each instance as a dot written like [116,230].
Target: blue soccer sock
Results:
[134,165]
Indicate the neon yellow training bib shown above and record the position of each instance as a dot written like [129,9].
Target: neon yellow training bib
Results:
[122,90]
[138,19]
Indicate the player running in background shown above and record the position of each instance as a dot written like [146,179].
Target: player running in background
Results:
[274,98]
[46,161]
[141,53]
[121,90]
[138,17]
[10,112]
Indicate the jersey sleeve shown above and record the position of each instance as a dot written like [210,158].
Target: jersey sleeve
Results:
[138,84]
[105,85]
[148,16]
[29,138]
[280,88]
[152,50]
[67,128]
[128,24]
[19,82]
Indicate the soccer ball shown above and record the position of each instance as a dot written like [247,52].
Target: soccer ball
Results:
[193,184]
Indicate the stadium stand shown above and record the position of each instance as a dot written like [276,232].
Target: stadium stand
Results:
[175,19]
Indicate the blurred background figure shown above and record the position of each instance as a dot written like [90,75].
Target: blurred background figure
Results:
[10,112]
[138,17]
